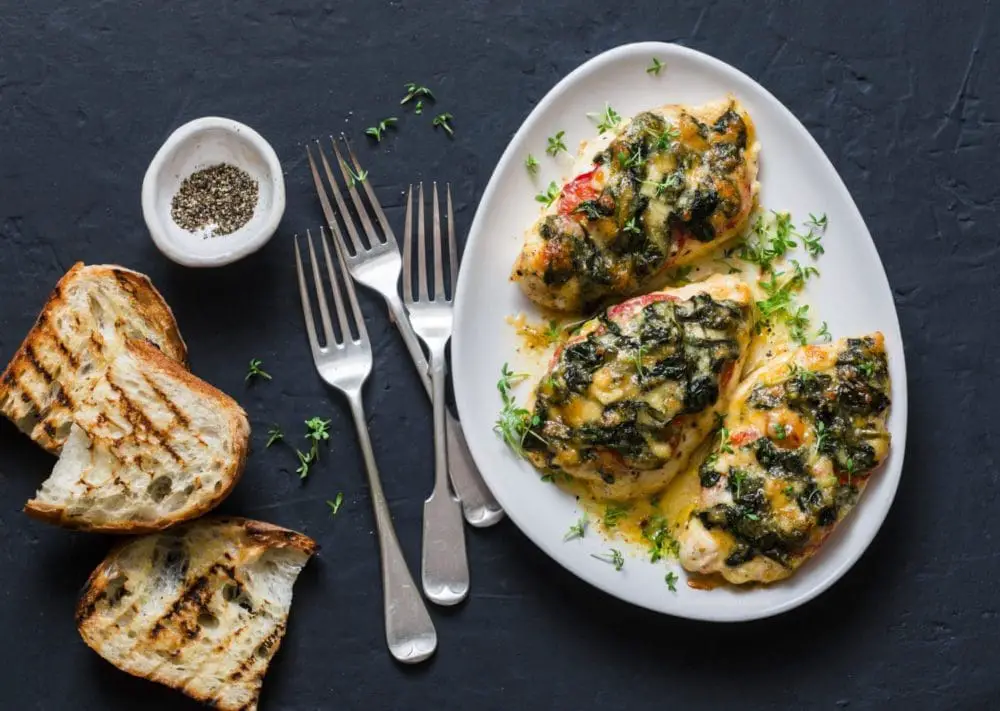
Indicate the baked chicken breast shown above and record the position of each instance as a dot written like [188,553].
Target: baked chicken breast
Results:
[628,398]
[672,184]
[803,435]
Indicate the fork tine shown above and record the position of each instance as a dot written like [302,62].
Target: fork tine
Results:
[324,201]
[345,330]
[359,319]
[376,206]
[324,312]
[421,247]
[341,205]
[438,264]
[452,247]
[306,305]
[359,207]
[408,248]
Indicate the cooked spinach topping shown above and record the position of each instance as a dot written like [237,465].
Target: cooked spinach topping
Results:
[639,373]
[843,406]
[661,183]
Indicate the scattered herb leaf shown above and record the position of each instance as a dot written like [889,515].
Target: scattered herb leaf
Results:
[413,92]
[442,121]
[317,430]
[355,178]
[578,529]
[514,422]
[608,120]
[305,461]
[556,144]
[549,196]
[613,514]
[379,130]
[255,371]
[614,557]
[274,435]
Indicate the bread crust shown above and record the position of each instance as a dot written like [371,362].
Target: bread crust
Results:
[154,359]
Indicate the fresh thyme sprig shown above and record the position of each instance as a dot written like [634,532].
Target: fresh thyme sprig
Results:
[781,305]
[578,529]
[305,462]
[549,196]
[355,178]
[336,503]
[274,435]
[379,130]
[317,430]
[613,514]
[670,134]
[773,237]
[656,67]
[255,370]
[531,164]
[607,120]
[556,144]
[514,423]
[442,120]
[416,92]
[613,557]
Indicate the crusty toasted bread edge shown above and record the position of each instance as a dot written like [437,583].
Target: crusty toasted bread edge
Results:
[155,359]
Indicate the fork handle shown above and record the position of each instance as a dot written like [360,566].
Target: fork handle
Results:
[409,631]
[445,564]
[478,504]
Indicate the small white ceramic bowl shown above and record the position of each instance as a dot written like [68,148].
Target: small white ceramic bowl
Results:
[200,144]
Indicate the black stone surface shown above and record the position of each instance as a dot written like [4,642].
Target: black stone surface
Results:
[903,97]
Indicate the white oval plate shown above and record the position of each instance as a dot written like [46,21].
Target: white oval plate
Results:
[852,295]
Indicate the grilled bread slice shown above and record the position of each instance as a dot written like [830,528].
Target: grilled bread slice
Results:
[201,608]
[150,445]
[84,322]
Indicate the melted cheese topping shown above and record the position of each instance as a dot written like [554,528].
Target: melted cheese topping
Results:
[670,186]
[630,396]
[803,434]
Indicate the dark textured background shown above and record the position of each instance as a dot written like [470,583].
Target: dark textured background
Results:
[902,96]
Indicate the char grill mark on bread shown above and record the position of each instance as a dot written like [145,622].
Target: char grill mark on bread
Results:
[201,608]
[150,445]
[91,312]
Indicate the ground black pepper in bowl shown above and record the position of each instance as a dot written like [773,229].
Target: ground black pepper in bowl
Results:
[217,200]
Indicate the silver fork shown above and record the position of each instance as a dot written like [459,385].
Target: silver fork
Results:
[445,566]
[344,364]
[377,266]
